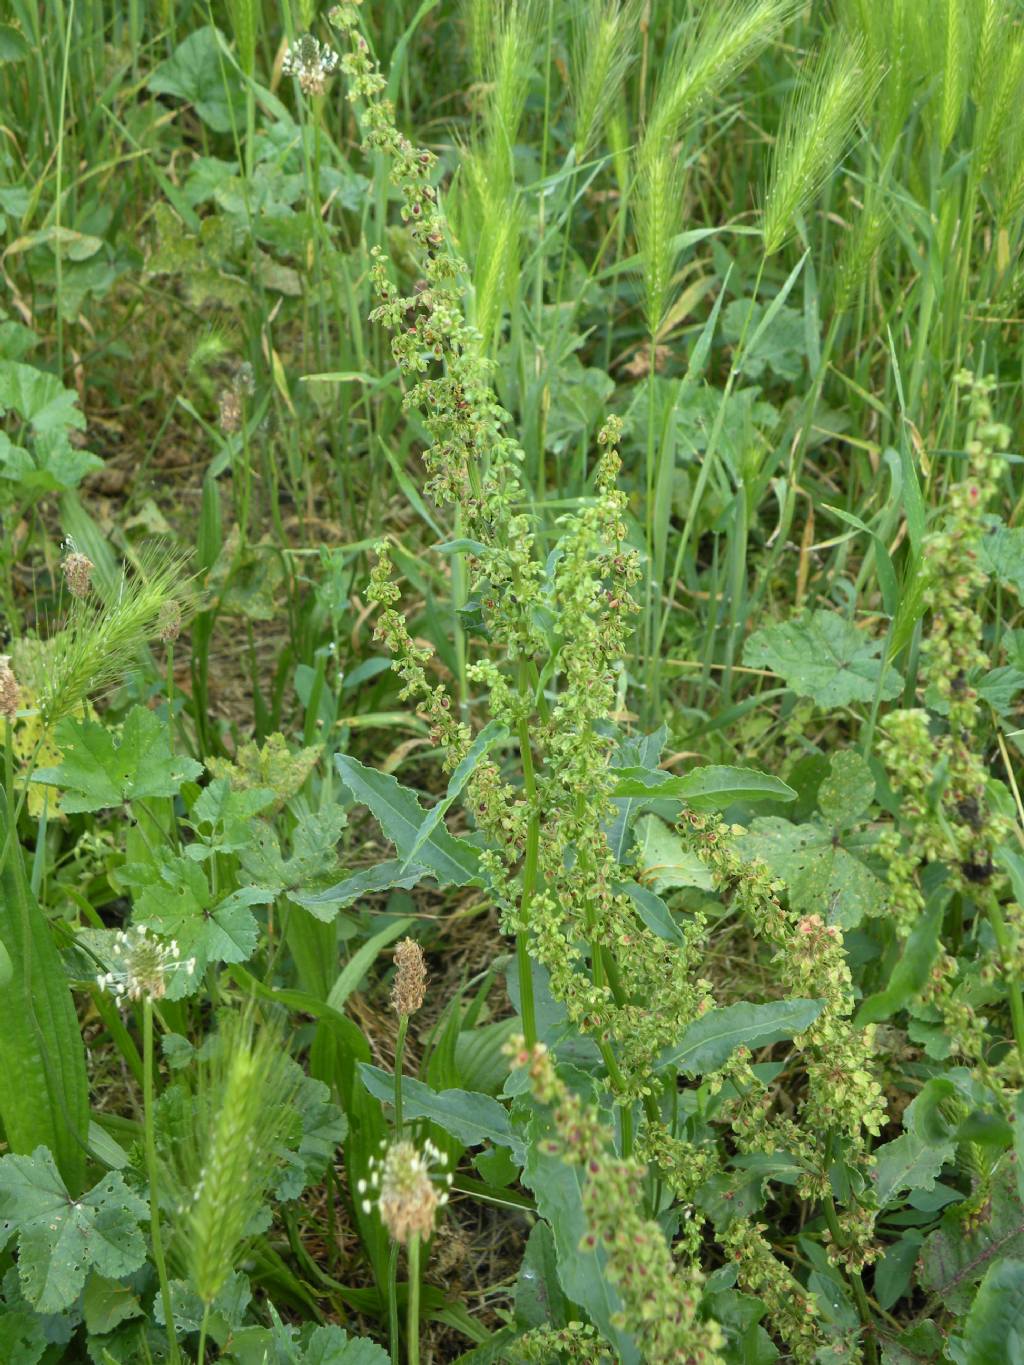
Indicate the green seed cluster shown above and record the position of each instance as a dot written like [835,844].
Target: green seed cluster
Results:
[941,771]
[660,1298]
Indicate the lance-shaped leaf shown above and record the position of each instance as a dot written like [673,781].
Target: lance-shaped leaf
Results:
[491,734]
[59,1237]
[470,1117]
[710,1041]
[451,861]
[96,772]
[708,788]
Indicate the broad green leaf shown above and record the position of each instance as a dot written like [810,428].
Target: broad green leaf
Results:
[491,734]
[539,1298]
[994,1330]
[59,1238]
[823,877]
[653,911]
[709,788]
[452,862]
[96,773]
[319,1127]
[106,1304]
[180,905]
[826,657]
[641,751]
[557,1188]
[710,1041]
[38,398]
[467,1115]
[1002,554]
[894,1270]
[53,466]
[197,71]
[959,1252]
[272,765]
[224,818]
[663,862]
[909,1162]
[848,790]
[22,1340]
[309,1345]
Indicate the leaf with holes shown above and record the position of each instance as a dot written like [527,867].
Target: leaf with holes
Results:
[826,657]
[59,1238]
[823,877]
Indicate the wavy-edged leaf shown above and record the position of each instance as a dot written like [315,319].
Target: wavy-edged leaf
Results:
[469,1116]
[713,787]
[710,1041]
[451,861]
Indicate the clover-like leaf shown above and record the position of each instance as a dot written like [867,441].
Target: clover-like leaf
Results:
[59,1237]
[97,772]
[826,657]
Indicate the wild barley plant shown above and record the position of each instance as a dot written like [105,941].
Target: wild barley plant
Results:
[557,631]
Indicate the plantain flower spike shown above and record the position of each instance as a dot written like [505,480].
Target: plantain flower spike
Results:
[410,986]
[406,1190]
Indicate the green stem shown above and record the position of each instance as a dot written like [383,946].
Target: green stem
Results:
[403,1026]
[203,1328]
[1013,990]
[529,869]
[152,1175]
[412,1320]
[393,1337]
[840,1240]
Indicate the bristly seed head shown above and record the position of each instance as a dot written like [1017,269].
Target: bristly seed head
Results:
[408,1197]
[144,964]
[410,986]
[169,626]
[78,573]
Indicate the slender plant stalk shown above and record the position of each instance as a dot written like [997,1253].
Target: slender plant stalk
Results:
[1013,988]
[412,1319]
[152,1174]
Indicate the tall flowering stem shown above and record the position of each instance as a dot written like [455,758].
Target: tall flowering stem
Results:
[152,1175]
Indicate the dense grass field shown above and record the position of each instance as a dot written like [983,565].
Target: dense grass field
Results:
[511,681]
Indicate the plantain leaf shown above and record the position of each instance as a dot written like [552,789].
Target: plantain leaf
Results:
[470,1117]
[44,1091]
